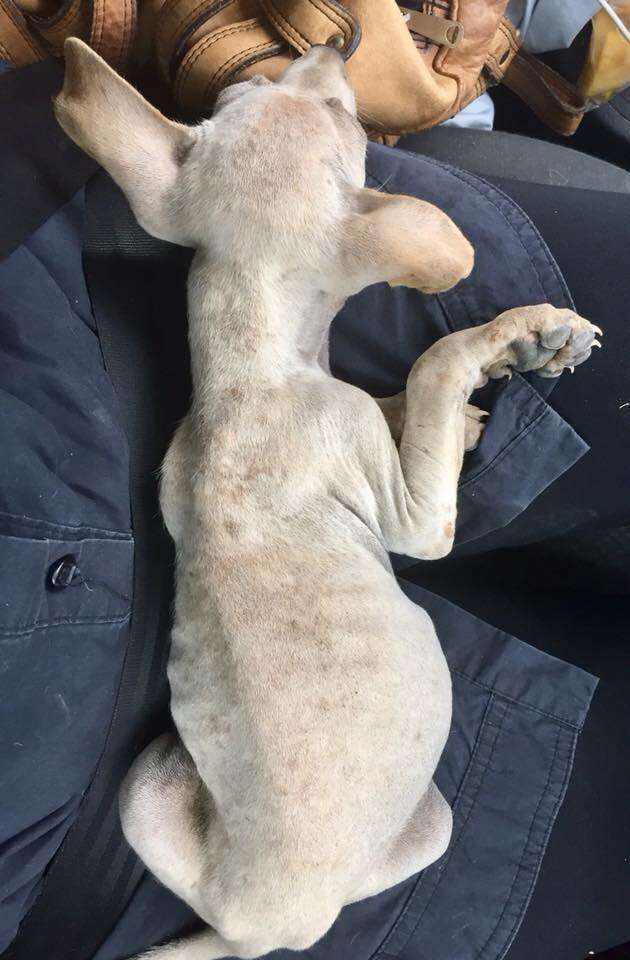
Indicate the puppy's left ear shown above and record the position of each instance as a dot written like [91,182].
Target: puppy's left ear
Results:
[139,148]
[401,241]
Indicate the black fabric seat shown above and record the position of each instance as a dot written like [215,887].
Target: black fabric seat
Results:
[509,155]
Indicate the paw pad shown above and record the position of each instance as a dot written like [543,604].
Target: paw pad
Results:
[552,349]
[557,337]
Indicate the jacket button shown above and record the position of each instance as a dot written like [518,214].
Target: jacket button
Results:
[62,572]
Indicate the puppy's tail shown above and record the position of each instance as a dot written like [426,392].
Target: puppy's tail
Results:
[206,945]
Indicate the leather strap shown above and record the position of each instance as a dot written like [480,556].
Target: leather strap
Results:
[71,19]
[108,26]
[17,45]
[113,29]
[202,45]
[215,59]
[553,99]
[182,23]
[303,23]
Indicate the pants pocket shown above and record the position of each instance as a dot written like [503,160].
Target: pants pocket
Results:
[468,905]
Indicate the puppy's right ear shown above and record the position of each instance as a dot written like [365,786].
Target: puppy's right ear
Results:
[139,148]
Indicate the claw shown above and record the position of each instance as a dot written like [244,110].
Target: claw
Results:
[597,330]
[596,343]
[571,369]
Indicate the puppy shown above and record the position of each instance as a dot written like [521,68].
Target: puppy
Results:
[311,698]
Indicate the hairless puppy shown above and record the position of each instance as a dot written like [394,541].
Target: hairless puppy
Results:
[311,698]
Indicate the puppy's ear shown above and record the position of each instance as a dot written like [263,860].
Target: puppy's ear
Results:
[404,242]
[139,148]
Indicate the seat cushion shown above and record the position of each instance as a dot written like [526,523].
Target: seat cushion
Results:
[492,153]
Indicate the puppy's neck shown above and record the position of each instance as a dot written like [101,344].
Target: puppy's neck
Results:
[253,329]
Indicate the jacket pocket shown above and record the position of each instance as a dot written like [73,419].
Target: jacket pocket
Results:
[468,905]
[50,580]
[62,644]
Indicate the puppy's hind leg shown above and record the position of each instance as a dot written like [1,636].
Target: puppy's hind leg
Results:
[205,945]
[423,841]
[164,811]
[166,815]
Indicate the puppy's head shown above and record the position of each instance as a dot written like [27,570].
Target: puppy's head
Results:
[274,180]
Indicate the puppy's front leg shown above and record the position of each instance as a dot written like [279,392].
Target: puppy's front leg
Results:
[419,505]
[394,409]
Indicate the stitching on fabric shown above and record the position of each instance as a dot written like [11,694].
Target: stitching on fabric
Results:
[204,45]
[63,621]
[235,61]
[568,763]
[519,867]
[519,703]
[97,25]
[189,17]
[115,535]
[514,442]
[175,47]
[216,78]
[543,249]
[274,48]
[483,767]
[163,35]
[57,31]
[333,15]
[195,52]
[448,318]
[23,31]
[379,952]
[283,25]
[127,30]
[477,765]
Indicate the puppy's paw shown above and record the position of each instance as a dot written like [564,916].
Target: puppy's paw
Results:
[551,341]
[474,426]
